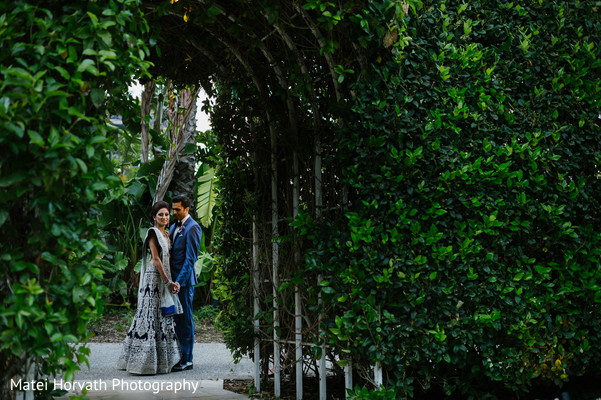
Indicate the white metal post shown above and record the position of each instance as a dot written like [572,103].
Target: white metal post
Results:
[298,309]
[322,361]
[275,261]
[378,375]
[298,345]
[318,213]
[348,377]
[256,307]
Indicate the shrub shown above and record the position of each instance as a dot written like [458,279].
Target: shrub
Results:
[207,313]
[468,262]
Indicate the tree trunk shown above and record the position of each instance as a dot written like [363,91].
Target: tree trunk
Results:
[183,126]
[184,176]
[146,102]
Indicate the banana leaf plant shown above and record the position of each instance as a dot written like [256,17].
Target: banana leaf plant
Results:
[206,195]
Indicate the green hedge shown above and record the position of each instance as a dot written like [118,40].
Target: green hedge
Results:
[62,65]
[469,263]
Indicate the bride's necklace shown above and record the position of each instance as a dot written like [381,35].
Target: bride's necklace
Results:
[164,233]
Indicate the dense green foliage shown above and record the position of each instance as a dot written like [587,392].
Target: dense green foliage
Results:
[62,66]
[469,261]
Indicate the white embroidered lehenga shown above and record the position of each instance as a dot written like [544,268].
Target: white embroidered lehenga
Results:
[151,346]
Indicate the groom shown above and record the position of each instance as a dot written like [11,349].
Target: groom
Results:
[185,241]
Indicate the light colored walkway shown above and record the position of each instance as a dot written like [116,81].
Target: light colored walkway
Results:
[212,364]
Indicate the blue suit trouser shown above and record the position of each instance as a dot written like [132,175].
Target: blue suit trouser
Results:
[184,324]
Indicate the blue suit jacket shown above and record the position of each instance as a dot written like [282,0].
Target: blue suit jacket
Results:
[184,252]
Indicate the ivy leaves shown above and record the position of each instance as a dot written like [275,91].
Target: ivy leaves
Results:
[468,215]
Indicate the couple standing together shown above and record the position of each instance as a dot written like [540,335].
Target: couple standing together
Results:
[161,336]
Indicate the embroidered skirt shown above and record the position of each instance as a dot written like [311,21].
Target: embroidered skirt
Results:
[151,346]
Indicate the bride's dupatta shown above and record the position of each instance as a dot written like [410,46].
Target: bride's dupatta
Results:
[169,302]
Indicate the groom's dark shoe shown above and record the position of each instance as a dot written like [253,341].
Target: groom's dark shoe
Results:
[182,367]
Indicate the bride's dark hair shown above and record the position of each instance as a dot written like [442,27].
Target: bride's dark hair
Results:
[156,207]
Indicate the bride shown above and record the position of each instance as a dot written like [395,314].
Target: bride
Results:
[151,346]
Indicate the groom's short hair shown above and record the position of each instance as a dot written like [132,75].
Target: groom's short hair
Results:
[185,201]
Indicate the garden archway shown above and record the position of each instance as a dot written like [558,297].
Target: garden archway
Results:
[277,75]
